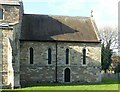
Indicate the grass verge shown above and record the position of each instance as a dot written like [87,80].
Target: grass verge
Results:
[106,84]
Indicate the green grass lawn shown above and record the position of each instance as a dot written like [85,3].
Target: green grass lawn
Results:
[106,84]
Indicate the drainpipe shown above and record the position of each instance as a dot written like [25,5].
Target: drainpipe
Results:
[56,62]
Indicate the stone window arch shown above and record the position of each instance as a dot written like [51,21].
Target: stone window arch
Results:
[31,55]
[67,56]
[84,55]
[67,75]
[49,56]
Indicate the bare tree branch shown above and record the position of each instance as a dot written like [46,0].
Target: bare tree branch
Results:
[109,34]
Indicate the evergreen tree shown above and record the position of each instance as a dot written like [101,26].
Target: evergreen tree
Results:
[106,56]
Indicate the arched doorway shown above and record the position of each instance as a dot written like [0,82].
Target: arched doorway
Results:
[67,75]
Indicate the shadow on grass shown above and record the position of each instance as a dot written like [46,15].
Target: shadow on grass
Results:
[104,81]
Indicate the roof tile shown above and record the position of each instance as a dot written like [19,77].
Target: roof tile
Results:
[60,28]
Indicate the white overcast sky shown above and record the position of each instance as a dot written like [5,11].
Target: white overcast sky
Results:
[105,12]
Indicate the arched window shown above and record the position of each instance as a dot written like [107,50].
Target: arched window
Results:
[84,56]
[67,56]
[1,13]
[49,56]
[67,75]
[31,55]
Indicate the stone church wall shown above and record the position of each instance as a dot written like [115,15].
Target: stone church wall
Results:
[79,72]
[7,69]
[12,14]
[10,58]
[40,71]
[10,71]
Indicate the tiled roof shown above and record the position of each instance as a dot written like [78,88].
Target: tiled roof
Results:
[58,28]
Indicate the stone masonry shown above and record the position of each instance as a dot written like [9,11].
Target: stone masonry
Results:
[12,17]
[40,71]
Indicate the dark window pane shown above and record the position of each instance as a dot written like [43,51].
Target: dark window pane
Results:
[31,55]
[84,56]
[1,14]
[49,56]
[67,56]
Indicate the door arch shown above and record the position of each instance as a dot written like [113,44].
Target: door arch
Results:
[67,75]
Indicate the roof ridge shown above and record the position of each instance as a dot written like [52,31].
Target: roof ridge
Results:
[58,15]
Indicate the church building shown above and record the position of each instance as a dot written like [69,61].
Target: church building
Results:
[37,48]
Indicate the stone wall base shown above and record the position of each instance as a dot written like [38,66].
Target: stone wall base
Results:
[9,86]
[18,86]
[6,87]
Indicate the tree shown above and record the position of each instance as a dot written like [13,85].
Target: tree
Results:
[109,44]
[106,57]
[109,36]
